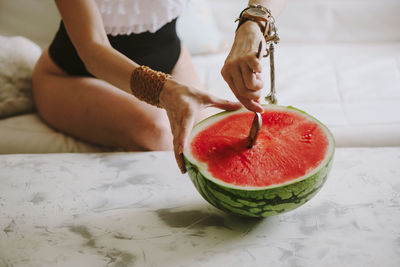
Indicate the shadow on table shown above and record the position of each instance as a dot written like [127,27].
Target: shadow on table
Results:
[201,216]
[174,236]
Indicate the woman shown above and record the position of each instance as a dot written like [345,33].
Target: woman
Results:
[90,84]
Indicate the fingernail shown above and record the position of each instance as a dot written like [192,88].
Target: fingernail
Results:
[182,165]
[183,169]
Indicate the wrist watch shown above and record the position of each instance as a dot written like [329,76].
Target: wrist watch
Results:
[256,13]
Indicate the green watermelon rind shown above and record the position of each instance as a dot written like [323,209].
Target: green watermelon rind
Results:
[258,203]
[268,201]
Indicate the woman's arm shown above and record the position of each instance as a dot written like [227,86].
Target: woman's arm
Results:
[85,27]
[242,68]
[182,103]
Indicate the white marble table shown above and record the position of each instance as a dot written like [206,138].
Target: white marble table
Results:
[136,209]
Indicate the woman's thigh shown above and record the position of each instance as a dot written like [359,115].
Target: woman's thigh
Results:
[185,72]
[96,111]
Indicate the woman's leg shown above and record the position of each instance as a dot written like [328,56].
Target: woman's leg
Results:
[184,70]
[185,73]
[97,112]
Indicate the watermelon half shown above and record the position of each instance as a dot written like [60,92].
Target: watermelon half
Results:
[286,167]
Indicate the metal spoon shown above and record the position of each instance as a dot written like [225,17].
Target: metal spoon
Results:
[271,39]
[257,121]
[255,129]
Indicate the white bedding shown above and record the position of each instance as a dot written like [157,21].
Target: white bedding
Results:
[334,62]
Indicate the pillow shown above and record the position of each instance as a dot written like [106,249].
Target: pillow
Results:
[198,30]
[18,56]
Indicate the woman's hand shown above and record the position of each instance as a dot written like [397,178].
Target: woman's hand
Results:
[183,104]
[242,69]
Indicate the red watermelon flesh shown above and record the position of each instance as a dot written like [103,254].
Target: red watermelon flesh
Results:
[288,147]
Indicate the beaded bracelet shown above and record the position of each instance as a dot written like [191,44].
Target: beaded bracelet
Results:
[146,84]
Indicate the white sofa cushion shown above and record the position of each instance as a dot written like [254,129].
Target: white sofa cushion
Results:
[29,134]
[353,89]
[309,21]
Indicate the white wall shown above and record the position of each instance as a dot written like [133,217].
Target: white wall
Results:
[37,20]
[302,20]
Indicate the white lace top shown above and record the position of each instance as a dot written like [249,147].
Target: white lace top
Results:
[136,16]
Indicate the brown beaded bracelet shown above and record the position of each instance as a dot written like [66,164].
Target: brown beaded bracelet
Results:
[146,84]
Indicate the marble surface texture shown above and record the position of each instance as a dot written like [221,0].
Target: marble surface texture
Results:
[136,209]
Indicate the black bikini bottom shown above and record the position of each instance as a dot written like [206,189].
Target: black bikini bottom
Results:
[160,50]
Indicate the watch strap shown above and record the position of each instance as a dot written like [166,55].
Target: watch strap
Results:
[265,17]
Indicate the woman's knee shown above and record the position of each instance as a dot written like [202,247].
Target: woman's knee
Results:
[162,136]
[154,135]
